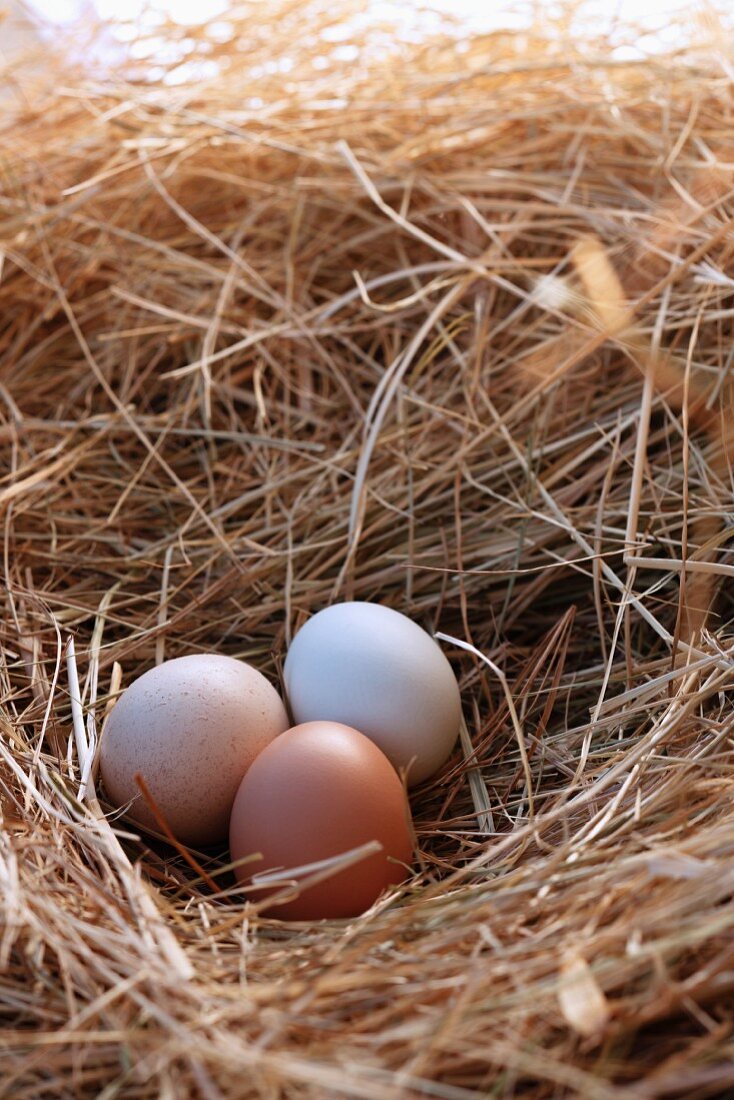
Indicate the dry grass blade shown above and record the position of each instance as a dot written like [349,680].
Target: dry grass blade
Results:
[310,309]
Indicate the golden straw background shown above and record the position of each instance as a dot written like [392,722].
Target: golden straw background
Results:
[445,327]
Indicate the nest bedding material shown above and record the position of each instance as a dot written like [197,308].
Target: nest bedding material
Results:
[442,325]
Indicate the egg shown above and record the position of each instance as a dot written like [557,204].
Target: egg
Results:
[372,668]
[191,727]
[317,791]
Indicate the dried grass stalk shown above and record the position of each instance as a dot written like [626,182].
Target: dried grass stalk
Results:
[442,324]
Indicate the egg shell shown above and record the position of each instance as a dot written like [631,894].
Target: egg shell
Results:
[318,791]
[191,727]
[372,668]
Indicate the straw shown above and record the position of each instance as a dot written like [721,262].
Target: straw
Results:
[303,308]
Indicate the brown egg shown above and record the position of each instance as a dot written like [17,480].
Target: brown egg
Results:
[191,727]
[317,791]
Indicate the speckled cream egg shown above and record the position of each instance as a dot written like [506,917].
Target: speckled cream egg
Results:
[191,727]
[372,668]
[318,791]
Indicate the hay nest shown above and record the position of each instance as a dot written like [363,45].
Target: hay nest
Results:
[443,323]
